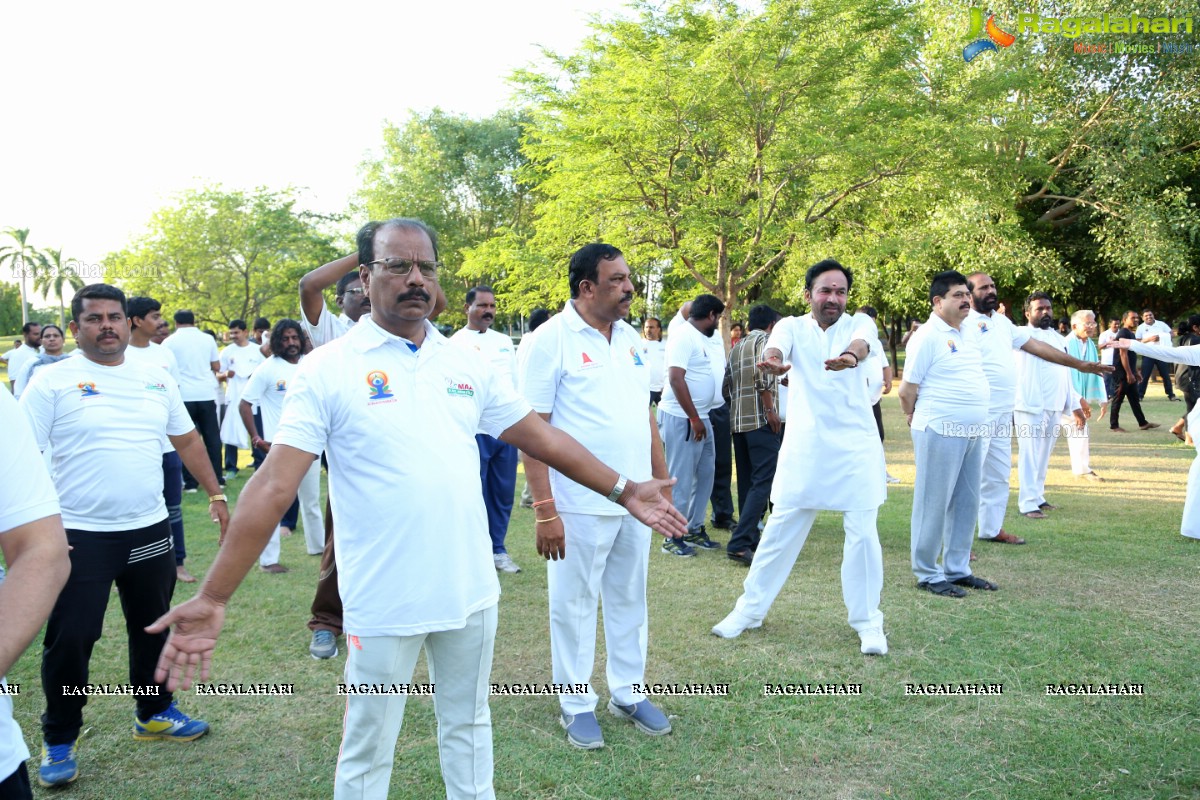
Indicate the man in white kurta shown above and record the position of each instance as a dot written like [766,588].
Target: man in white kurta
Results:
[238,362]
[945,396]
[1090,389]
[831,458]
[1044,396]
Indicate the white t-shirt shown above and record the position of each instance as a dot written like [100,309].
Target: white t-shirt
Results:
[328,326]
[18,359]
[595,389]
[158,356]
[654,353]
[1043,385]
[26,494]
[194,351]
[266,389]
[398,428]
[954,397]
[691,350]
[831,457]
[1160,329]
[105,425]
[997,337]
[874,365]
[1106,356]
[494,346]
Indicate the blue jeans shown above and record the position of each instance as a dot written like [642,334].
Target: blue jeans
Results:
[498,476]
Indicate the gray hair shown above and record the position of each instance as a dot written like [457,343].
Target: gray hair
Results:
[1079,317]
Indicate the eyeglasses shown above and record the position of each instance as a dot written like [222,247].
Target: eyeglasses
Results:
[359,290]
[403,266]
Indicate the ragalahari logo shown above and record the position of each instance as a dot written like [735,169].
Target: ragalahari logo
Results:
[982,43]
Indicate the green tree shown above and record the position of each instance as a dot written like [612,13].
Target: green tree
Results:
[225,254]
[460,176]
[10,312]
[55,275]
[22,258]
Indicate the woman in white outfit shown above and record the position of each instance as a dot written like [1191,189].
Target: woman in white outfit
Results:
[1178,355]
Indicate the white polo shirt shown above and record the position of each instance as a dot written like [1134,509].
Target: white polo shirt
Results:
[654,353]
[954,397]
[831,457]
[398,428]
[997,337]
[1159,328]
[105,425]
[692,350]
[1043,386]
[494,346]
[328,326]
[1106,356]
[26,495]
[267,388]
[595,389]
[194,351]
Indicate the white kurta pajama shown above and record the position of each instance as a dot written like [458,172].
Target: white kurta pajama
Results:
[831,460]
[1183,355]
[243,361]
[1044,397]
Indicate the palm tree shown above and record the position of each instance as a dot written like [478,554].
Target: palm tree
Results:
[24,259]
[53,274]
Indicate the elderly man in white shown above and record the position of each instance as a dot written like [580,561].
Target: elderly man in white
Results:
[831,458]
[1090,388]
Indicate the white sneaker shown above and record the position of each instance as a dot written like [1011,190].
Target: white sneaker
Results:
[874,643]
[732,626]
[504,563]
[892,478]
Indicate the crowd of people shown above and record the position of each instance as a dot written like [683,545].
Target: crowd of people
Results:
[621,433]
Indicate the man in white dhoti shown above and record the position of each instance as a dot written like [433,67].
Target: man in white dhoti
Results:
[1090,388]
[831,458]
[1177,355]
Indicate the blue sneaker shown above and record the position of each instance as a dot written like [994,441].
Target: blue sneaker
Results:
[678,547]
[700,539]
[58,767]
[644,716]
[583,731]
[171,725]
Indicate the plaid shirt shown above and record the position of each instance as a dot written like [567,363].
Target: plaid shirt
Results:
[744,381]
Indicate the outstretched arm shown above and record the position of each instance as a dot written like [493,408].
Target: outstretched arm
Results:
[1048,353]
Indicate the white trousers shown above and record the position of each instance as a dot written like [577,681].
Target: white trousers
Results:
[460,664]
[607,559]
[1036,435]
[997,469]
[311,515]
[783,538]
[1079,443]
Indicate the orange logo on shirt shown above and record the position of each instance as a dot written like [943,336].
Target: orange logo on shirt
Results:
[950,344]
[586,359]
[378,381]
[88,389]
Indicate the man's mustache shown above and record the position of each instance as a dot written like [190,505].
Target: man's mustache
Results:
[413,294]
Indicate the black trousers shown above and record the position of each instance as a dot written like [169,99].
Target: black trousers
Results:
[204,417]
[722,495]
[757,454]
[16,786]
[142,564]
[1124,391]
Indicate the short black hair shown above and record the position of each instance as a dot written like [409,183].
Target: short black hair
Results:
[537,318]
[239,324]
[1037,296]
[262,324]
[942,282]
[139,307]
[277,336]
[705,304]
[477,290]
[761,317]
[50,325]
[827,265]
[872,313]
[184,317]
[344,282]
[585,264]
[96,291]
[28,326]
[366,237]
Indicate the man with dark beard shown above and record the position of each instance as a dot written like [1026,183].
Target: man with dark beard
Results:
[497,460]
[1044,394]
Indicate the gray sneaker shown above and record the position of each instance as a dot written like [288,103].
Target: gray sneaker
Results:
[324,645]
[583,731]
[644,716]
[504,563]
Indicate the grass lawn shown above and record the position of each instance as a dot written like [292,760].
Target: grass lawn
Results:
[1105,592]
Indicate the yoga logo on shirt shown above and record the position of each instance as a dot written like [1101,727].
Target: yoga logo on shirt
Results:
[459,388]
[281,386]
[637,361]
[88,389]
[983,328]
[953,347]
[378,381]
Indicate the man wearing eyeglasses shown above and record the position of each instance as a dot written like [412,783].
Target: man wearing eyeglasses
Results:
[497,460]
[396,409]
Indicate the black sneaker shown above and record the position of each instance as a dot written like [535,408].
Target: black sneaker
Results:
[677,547]
[700,539]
